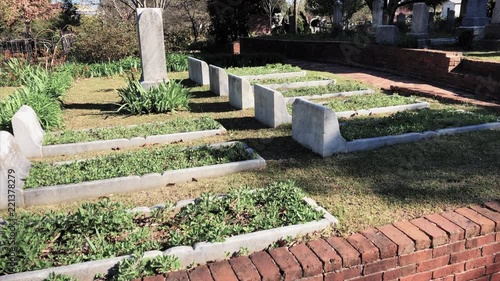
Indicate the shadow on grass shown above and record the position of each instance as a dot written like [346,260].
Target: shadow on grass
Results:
[202,94]
[188,83]
[92,106]
[214,107]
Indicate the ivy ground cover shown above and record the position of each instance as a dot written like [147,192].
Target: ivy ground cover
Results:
[140,162]
[178,125]
[105,229]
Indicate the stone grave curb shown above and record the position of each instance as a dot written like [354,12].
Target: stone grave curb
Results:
[81,147]
[199,253]
[381,110]
[295,85]
[198,71]
[219,83]
[92,189]
[274,75]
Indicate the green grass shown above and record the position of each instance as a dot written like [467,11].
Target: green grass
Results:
[258,70]
[308,77]
[140,162]
[411,121]
[340,86]
[105,229]
[493,56]
[178,125]
[368,101]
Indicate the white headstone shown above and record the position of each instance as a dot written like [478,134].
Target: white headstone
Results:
[270,107]
[198,71]
[240,92]
[154,65]
[28,132]
[14,167]
[316,127]
[420,20]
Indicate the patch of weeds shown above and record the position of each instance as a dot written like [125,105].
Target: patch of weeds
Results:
[106,229]
[340,86]
[411,121]
[369,101]
[59,277]
[307,78]
[178,125]
[267,69]
[136,267]
[140,162]
[166,97]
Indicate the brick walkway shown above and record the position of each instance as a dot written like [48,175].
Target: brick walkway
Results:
[402,84]
[457,245]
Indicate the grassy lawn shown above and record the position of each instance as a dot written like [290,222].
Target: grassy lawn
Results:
[485,56]
[364,189]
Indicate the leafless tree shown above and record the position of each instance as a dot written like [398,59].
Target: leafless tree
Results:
[269,6]
[196,11]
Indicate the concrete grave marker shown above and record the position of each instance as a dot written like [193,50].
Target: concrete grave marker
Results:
[198,71]
[14,167]
[153,62]
[28,132]
[317,128]
[270,107]
[420,20]
[219,81]
[240,92]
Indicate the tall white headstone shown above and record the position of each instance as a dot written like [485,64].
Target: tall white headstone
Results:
[154,65]
[420,20]
[14,167]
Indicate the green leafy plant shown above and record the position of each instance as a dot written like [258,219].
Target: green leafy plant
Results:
[341,86]
[59,277]
[242,60]
[369,101]
[177,125]
[267,69]
[141,162]
[166,97]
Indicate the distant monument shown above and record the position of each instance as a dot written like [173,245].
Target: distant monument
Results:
[492,31]
[420,21]
[377,13]
[475,18]
[154,65]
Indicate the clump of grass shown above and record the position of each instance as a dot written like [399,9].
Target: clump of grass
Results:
[141,162]
[369,101]
[178,125]
[105,229]
[267,69]
[166,97]
[308,77]
[340,86]
[412,121]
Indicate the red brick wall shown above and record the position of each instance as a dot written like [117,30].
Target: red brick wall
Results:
[458,245]
[439,66]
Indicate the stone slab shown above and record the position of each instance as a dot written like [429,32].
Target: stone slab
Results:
[151,42]
[14,167]
[240,93]
[270,107]
[198,71]
[387,35]
[219,81]
[316,127]
[28,132]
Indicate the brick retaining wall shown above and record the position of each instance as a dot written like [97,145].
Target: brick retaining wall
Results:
[438,66]
[458,245]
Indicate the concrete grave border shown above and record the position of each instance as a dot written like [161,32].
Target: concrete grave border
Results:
[316,127]
[271,110]
[29,135]
[219,83]
[275,75]
[92,189]
[199,253]
[294,85]
[198,71]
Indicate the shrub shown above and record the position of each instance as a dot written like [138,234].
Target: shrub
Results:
[166,97]
[177,62]
[101,41]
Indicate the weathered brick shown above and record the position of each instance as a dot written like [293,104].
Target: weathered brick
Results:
[448,270]
[471,274]
[244,269]
[404,243]
[313,278]
[200,273]
[222,271]
[487,225]
[438,236]
[400,272]
[330,259]
[480,241]
[471,229]
[387,248]
[344,274]
[415,257]
[421,239]
[448,249]
[373,277]
[494,205]
[491,249]
[492,268]
[465,256]
[159,277]
[307,259]
[495,277]
[455,232]
[266,266]
[447,278]
[350,256]
[424,276]
[381,265]
[433,264]
[369,253]
[177,276]
[475,263]
[484,278]
[494,216]
[286,262]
